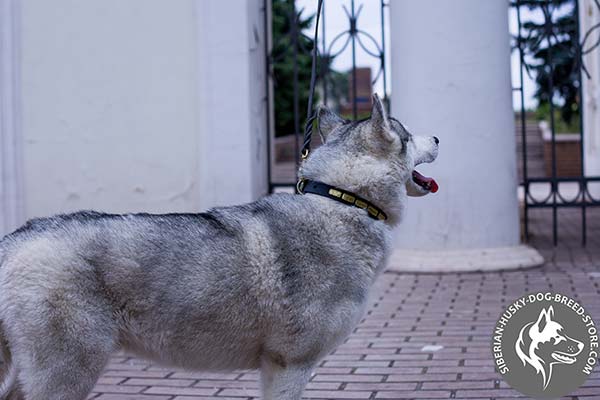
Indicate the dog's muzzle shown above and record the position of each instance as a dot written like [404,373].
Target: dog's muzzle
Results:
[425,151]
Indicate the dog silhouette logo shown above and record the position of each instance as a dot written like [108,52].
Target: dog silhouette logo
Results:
[545,345]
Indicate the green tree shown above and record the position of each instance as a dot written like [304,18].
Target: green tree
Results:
[550,52]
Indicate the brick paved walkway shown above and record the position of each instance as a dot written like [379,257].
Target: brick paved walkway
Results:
[390,355]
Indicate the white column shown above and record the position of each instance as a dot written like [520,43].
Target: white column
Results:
[11,193]
[451,78]
[232,102]
[589,16]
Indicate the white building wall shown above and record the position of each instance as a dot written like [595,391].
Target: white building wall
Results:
[142,105]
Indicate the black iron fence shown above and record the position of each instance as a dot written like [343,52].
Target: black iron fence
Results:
[346,89]
[551,51]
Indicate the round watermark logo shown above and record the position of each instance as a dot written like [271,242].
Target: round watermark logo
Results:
[545,345]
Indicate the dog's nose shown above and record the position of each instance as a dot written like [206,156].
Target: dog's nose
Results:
[436,140]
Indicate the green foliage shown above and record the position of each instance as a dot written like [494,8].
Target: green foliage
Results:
[282,55]
[338,85]
[560,125]
[554,61]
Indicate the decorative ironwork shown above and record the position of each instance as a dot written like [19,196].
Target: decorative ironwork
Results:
[351,39]
[555,199]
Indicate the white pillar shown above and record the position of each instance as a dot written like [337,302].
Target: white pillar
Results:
[589,16]
[11,179]
[233,104]
[451,78]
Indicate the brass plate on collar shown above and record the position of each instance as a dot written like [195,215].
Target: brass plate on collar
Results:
[349,198]
[373,211]
[361,204]
[335,193]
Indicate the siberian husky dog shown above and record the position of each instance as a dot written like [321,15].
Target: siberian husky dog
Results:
[273,285]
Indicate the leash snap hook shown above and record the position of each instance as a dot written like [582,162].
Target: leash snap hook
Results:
[300,186]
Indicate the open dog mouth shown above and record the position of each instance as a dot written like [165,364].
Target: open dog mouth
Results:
[426,183]
[563,358]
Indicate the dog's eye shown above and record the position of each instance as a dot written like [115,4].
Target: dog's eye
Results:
[558,339]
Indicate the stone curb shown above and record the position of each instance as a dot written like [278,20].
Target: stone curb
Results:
[470,260]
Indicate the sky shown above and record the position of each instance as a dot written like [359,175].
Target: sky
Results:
[369,20]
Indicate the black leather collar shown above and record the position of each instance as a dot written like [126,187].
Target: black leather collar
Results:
[340,195]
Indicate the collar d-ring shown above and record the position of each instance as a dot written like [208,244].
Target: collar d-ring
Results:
[300,185]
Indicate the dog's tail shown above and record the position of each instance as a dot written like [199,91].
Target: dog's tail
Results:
[8,377]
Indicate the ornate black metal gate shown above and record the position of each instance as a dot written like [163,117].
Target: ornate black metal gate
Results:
[551,51]
[288,51]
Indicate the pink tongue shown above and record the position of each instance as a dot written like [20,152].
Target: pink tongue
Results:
[433,186]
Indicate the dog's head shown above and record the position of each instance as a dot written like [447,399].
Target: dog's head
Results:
[544,343]
[374,157]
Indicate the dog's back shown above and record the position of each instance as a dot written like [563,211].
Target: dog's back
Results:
[217,290]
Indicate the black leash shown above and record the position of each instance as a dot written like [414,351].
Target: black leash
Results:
[310,114]
[319,188]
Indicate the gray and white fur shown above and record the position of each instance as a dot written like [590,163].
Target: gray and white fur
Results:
[273,285]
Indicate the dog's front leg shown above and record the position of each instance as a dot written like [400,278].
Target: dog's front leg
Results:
[284,382]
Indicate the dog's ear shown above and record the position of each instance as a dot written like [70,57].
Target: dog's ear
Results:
[544,318]
[379,119]
[328,121]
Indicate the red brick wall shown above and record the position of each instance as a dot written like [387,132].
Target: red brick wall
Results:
[568,158]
